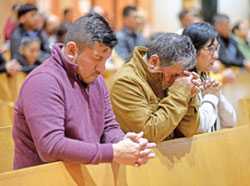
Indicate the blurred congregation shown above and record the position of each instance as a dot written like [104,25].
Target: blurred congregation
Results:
[217,96]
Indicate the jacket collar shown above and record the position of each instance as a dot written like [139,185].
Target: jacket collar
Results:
[153,78]
[59,57]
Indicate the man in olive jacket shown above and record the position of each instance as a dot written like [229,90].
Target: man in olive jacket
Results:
[155,93]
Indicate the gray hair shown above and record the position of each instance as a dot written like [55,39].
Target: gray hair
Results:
[220,18]
[171,48]
[26,41]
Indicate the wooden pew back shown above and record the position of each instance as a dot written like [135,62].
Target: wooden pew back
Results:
[6,149]
[244,111]
[6,113]
[236,91]
[220,158]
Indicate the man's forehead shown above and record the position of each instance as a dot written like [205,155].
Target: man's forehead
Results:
[99,48]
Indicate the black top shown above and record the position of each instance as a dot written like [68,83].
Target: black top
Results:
[229,53]
[2,64]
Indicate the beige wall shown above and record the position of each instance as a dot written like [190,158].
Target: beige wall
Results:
[5,8]
[165,17]
[235,9]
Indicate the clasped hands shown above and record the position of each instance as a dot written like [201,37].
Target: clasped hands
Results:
[190,80]
[133,150]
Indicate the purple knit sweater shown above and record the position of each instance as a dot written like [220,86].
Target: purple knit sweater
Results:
[56,118]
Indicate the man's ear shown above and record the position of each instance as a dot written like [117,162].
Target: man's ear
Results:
[154,62]
[71,50]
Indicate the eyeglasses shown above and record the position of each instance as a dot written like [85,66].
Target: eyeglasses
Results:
[212,50]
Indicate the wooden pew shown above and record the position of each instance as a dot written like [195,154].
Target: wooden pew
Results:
[6,149]
[236,91]
[15,84]
[244,111]
[6,113]
[217,159]
[5,93]
[10,86]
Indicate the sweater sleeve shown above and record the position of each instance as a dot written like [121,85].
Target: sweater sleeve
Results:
[112,131]
[226,112]
[43,107]
[157,119]
[208,112]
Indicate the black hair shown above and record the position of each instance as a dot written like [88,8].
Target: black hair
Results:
[62,30]
[26,41]
[127,10]
[200,33]
[92,27]
[66,11]
[236,27]
[23,9]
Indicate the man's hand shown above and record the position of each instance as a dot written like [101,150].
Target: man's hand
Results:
[190,80]
[133,150]
[228,76]
[247,64]
[13,67]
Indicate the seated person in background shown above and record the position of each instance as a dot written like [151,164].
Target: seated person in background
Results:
[68,16]
[28,53]
[129,37]
[215,111]
[61,32]
[27,15]
[11,68]
[10,25]
[240,34]
[63,111]
[229,53]
[154,93]
[186,18]
[51,27]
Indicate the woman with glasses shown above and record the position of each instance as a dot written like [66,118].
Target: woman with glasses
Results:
[215,111]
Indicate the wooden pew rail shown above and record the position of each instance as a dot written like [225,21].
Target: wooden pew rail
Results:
[219,158]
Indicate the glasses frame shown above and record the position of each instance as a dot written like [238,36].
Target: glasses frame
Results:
[213,50]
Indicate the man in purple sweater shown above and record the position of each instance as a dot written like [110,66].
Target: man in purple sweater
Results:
[63,111]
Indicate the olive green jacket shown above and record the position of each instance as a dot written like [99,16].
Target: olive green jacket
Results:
[140,104]
[243,46]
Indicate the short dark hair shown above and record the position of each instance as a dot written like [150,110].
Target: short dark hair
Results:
[127,10]
[171,48]
[62,30]
[92,27]
[26,8]
[182,14]
[236,26]
[219,18]
[200,33]
[66,11]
